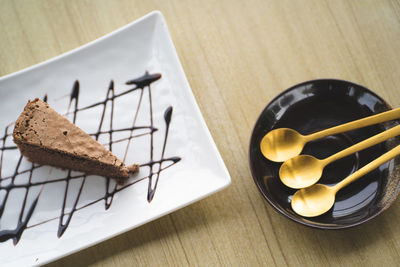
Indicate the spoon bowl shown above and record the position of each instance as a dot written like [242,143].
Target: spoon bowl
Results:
[282,144]
[318,199]
[304,170]
[301,171]
[313,201]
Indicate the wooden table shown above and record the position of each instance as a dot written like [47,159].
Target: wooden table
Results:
[237,56]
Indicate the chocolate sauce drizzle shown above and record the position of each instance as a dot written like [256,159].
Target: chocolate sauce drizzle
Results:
[64,219]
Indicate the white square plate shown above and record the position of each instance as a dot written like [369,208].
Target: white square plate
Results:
[144,45]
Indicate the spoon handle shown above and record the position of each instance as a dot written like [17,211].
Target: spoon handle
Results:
[376,139]
[367,121]
[368,168]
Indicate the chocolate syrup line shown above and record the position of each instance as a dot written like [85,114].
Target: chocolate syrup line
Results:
[9,147]
[3,203]
[111,115]
[16,233]
[73,177]
[96,135]
[124,130]
[26,196]
[128,138]
[108,199]
[141,83]
[19,173]
[74,96]
[23,223]
[62,227]
[133,125]
[176,160]
[151,191]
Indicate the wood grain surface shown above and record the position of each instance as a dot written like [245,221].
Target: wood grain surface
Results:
[237,56]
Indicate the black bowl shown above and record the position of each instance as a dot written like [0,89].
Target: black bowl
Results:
[319,104]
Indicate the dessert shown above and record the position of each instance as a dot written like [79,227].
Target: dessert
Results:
[47,138]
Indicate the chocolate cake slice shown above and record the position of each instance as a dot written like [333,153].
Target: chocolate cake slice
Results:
[47,138]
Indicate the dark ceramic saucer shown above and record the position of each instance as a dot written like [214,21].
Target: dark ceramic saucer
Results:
[315,105]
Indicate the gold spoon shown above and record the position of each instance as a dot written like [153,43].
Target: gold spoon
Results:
[318,199]
[305,170]
[282,144]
